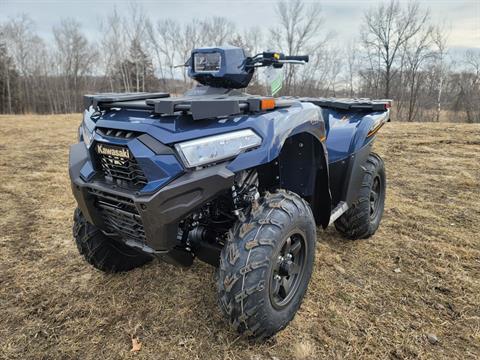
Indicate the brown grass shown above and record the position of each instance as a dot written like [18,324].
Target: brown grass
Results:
[358,305]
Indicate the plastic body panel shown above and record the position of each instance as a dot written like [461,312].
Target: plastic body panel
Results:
[349,145]
[160,212]
[274,128]
[347,131]
[172,191]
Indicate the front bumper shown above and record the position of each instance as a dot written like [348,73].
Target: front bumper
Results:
[158,213]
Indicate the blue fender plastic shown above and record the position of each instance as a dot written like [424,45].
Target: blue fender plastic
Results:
[349,143]
[346,133]
[273,127]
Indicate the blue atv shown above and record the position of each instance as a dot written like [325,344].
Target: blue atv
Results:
[236,180]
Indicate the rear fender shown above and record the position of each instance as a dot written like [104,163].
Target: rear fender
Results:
[349,131]
[350,140]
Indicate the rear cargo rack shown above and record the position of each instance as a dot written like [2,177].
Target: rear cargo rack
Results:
[350,104]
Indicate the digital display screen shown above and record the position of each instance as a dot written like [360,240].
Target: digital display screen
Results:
[207,62]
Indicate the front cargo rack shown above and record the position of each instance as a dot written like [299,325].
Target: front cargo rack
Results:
[207,108]
[223,105]
[119,99]
[199,108]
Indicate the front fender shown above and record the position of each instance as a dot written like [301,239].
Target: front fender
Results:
[278,127]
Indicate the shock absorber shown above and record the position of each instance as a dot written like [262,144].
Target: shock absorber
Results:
[245,192]
[236,208]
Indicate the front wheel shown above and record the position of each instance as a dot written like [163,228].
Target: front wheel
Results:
[266,265]
[103,252]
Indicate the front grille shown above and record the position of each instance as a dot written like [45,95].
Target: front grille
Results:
[120,215]
[121,171]
[118,134]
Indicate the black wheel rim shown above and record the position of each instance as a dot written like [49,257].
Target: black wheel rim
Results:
[288,270]
[375,197]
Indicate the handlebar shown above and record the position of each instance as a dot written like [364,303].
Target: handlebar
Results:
[275,59]
[303,58]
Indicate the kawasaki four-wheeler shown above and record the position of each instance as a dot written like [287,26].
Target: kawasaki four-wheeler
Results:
[236,180]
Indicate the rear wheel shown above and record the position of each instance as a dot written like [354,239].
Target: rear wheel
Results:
[363,218]
[266,265]
[103,252]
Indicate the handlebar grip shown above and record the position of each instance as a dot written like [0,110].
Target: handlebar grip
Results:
[297,57]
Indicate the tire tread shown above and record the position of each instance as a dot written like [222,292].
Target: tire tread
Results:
[240,283]
[355,223]
[102,252]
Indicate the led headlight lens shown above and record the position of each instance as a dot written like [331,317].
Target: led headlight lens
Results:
[212,149]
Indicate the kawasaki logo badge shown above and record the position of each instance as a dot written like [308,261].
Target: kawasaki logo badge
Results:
[120,152]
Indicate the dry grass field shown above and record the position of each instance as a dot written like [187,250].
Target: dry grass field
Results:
[411,291]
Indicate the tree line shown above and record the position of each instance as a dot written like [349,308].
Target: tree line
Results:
[399,54]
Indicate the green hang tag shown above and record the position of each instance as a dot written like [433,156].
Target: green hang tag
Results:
[274,79]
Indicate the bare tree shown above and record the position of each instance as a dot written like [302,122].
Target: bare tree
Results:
[216,31]
[387,28]
[114,44]
[352,66]
[74,60]
[190,38]
[440,39]
[154,47]
[6,72]
[165,38]
[138,63]
[370,75]
[172,42]
[470,86]
[25,49]
[417,51]
[128,59]
[297,33]
[30,57]
[252,41]
[400,55]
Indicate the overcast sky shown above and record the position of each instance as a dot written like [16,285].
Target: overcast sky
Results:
[461,17]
